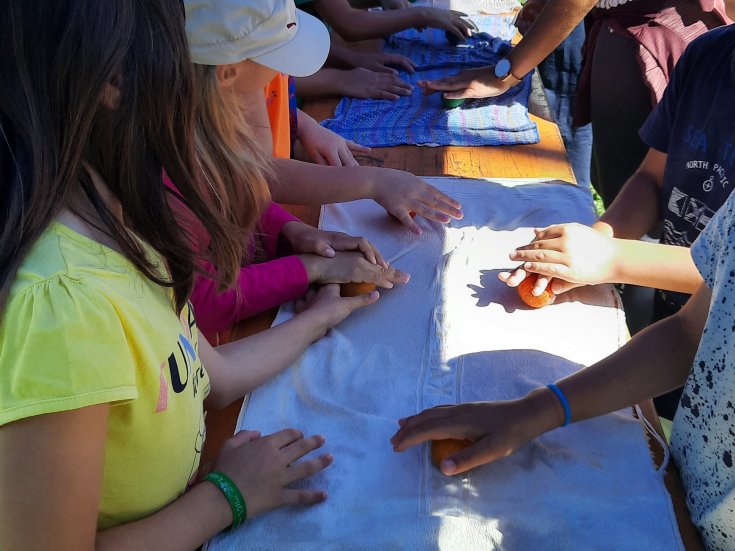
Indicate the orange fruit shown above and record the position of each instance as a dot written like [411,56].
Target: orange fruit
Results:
[354,289]
[441,449]
[525,292]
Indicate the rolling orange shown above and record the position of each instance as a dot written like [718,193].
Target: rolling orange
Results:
[525,292]
[441,449]
[354,289]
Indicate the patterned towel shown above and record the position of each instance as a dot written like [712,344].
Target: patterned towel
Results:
[419,119]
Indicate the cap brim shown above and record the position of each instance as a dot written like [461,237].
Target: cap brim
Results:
[305,53]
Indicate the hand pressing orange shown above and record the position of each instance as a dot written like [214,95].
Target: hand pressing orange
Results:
[525,291]
[441,449]
[354,289]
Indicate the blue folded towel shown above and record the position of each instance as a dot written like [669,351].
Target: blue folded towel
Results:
[419,119]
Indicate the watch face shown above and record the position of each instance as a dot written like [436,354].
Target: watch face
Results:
[502,68]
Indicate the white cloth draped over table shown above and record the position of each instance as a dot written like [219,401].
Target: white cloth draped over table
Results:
[456,333]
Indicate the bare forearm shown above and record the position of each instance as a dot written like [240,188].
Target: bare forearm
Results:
[665,267]
[635,210]
[353,24]
[325,82]
[364,4]
[186,523]
[555,22]
[240,367]
[655,361]
[302,183]
[341,55]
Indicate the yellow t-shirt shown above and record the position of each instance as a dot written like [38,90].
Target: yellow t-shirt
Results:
[82,327]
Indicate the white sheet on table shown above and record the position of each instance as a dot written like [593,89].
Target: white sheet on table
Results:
[455,333]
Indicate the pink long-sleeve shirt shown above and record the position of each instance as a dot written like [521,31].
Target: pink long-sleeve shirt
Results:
[259,287]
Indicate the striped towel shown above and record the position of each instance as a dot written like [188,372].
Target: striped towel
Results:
[419,119]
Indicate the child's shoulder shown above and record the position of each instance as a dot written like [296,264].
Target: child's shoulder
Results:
[67,277]
[61,254]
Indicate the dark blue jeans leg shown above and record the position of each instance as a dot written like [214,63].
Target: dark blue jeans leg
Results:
[559,73]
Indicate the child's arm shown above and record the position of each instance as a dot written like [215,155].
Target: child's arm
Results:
[575,255]
[259,287]
[385,4]
[354,83]
[238,368]
[578,255]
[380,62]
[554,23]
[354,24]
[51,468]
[397,191]
[636,210]
[303,238]
[269,284]
[656,360]
[323,146]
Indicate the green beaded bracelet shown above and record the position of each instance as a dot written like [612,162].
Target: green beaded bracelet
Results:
[233,496]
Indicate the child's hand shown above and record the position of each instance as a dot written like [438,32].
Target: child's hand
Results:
[324,147]
[329,308]
[449,20]
[307,239]
[349,267]
[497,428]
[364,84]
[262,468]
[572,254]
[401,192]
[382,63]
[394,4]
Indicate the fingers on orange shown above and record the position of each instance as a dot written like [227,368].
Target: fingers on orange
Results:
[525,291]
[354,289]
[441,449]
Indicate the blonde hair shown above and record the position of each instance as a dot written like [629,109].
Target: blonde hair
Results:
[225,142]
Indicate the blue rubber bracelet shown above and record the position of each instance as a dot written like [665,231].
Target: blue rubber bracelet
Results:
[564,403]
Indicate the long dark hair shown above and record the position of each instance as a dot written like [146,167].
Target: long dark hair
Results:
[58,59]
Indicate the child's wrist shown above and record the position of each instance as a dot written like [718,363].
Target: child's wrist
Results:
[217,503]
[421,14]
[545,411]
[313,266]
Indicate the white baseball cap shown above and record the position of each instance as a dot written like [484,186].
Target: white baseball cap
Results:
[270,32]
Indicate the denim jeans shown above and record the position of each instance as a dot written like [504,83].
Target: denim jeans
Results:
[559,73]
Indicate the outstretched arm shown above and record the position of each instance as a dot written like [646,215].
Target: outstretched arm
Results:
[556,20]
[656,360]
[51,468]
[399,192]
[610,251]
[354,24]
[239,367]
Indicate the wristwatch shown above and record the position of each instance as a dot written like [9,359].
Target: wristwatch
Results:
[503,71]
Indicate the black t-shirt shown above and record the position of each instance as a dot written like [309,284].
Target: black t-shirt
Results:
[695,126]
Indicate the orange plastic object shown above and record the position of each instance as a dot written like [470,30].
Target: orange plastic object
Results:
[354,289]
[441,449]
[524,291]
